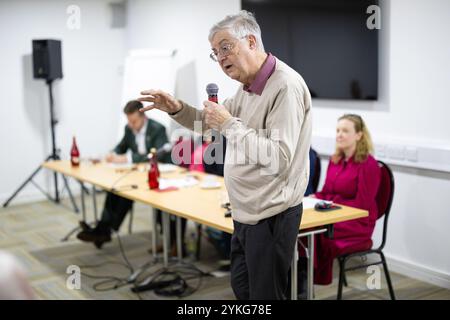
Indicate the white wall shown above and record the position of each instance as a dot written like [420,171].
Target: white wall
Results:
[413,109]
[414,76]
[85,98]
[184,26]
[88,98]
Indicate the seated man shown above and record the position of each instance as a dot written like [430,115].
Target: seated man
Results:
[141,134]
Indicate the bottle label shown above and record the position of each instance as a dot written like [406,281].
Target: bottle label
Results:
[75,160]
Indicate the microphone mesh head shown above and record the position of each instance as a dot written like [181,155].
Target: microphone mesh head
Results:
[212,89]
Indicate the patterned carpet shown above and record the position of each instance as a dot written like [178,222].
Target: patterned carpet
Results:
[33,233]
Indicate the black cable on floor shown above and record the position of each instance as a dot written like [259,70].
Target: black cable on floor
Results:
[176,286]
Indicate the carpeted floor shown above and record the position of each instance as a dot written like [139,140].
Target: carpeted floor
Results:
[33,232]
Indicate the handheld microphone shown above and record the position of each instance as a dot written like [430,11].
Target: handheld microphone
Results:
[212,89]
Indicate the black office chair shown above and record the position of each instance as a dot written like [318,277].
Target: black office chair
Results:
[317,171]
[314,172]
[384,199]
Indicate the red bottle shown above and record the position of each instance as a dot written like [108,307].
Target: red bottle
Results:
[153,173]
[74,154]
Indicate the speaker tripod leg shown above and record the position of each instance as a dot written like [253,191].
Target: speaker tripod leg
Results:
[74,204]
[55,177]
[22,186]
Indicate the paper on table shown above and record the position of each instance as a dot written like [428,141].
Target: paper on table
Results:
[166,167]
[188,181]
[163,167]
[309,203]
[210,182]
[121,165]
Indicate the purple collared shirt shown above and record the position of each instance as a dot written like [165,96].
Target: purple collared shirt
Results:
[262,76]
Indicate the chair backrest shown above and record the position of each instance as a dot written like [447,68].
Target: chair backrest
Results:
[317,171]
[385,195]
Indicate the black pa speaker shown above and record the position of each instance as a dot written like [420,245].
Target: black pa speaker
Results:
[47,62]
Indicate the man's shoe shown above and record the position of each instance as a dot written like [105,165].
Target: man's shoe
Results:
[225,265]
[95,236]
[99,244]
[302,296]
[84,226]
[302,285]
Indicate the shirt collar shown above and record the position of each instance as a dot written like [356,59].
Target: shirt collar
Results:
[143,129]
[350,160]
[268,67]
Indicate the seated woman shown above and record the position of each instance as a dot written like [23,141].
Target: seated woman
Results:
[353,178]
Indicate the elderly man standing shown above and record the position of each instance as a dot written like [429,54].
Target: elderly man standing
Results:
[267,124]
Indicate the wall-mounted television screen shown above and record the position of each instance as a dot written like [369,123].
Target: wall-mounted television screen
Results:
[327,41]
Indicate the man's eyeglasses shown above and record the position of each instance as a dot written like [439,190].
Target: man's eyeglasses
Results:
[224,50]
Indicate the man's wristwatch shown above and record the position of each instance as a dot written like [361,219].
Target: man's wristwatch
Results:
[174,113]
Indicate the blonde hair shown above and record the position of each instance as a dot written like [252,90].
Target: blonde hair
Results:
[364,146]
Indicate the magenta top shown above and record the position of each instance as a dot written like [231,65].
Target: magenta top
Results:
[262,76]
[355,185]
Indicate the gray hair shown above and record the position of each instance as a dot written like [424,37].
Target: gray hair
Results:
[239,25]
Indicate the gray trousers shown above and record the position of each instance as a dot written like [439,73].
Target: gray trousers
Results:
[261,256]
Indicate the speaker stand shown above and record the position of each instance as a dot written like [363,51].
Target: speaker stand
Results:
[53,156]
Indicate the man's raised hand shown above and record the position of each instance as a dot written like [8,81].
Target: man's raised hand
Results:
[160,100]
